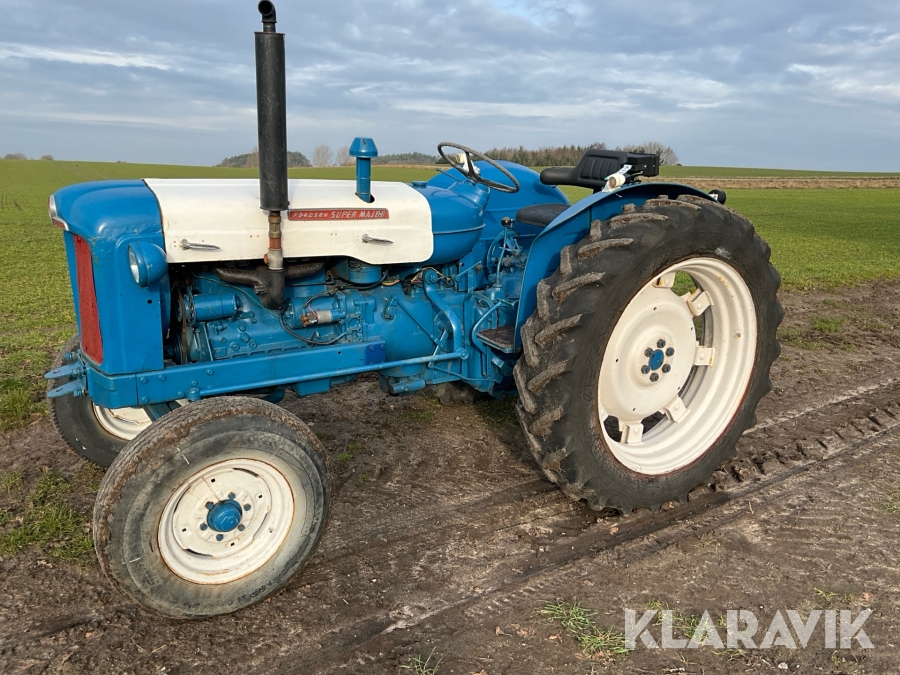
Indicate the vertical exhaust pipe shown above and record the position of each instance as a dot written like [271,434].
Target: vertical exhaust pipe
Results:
[271,115]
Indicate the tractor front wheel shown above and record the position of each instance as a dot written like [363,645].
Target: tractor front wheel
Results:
[648,352]
[213,508]
[96,433]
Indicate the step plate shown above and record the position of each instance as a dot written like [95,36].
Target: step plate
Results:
[502,338]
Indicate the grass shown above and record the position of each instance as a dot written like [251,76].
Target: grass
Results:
[890,505]
[497,412]
[344,456]
[579,622]
[686,623]
[819,238]
[11,481]
[426,667]
[46,519]
[417,415]
[825,324]
[829,596]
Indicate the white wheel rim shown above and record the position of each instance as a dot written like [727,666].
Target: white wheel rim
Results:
[124,423]
[197,552]
[704,384]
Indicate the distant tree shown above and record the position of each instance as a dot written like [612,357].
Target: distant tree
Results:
[15,155]
[415,158]
[252,161]
[49,157]
[667,156]
[342,156]
[297,159]
[322,156]
[565,155]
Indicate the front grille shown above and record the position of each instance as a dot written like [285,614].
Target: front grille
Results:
[91,340]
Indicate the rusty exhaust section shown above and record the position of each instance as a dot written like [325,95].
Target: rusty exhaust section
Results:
[271,114]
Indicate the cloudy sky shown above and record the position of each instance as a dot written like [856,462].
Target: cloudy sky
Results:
[771,83]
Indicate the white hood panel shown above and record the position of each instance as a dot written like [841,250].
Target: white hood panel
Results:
[326,218]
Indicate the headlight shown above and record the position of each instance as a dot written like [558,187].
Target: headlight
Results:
[54,216]
[136,268]
[147,263]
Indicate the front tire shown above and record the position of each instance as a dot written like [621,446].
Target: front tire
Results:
[213,508]
[96,433]
[649,352]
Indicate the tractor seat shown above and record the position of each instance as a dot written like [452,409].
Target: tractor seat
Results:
[540,215]
[596,165]
[591,172]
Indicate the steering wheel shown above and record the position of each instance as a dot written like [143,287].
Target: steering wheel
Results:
[465,164]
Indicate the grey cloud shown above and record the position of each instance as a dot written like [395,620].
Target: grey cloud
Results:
[746,83]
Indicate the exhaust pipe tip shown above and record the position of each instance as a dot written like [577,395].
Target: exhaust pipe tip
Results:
[267,10]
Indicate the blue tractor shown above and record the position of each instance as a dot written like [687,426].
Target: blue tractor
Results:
[637,326]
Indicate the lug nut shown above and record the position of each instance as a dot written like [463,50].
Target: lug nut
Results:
[240,528]
[219,537]
[670,351]
[246,507]
[645,370]
[660,343]
[209,505]
[648,352]
[204,526]
[654,377]
[667,368]
[230,495]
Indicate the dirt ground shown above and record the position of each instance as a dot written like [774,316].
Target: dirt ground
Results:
[785,183]
[444,538]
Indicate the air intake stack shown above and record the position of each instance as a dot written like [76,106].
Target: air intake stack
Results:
[271,113]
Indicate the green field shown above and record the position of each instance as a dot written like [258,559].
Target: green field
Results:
[819,238]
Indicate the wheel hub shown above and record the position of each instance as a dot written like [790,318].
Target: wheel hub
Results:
[656,359]
[224,516]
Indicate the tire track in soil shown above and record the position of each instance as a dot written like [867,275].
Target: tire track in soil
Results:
[434,533]
[866,416]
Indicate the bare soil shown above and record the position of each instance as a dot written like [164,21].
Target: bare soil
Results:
[784,183]
[445,537]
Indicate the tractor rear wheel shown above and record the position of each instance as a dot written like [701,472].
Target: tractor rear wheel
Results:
[213,508]
[648,353]
[96,433]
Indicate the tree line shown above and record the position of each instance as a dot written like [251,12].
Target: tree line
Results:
[564,155]
[568,155]
[22,155]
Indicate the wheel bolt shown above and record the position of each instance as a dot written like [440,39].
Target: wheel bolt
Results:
[240,528]
[654,377]
[645,369]
[660,343]
[667,368]
[204,526]
[230,495]
[246,507]
[209,505]
[219,537]
[648,352]
[670,351]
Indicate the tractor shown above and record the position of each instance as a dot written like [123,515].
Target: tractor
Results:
[637,328]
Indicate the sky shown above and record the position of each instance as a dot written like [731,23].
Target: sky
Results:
[811,84]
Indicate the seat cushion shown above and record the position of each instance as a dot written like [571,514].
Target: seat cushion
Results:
[540,215]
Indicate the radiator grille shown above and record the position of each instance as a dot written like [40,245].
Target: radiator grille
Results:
[91,341]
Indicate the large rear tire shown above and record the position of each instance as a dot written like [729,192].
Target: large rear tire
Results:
[213,508]
[96,433]
[648,353]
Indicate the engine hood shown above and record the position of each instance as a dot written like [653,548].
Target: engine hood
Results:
[211,220]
